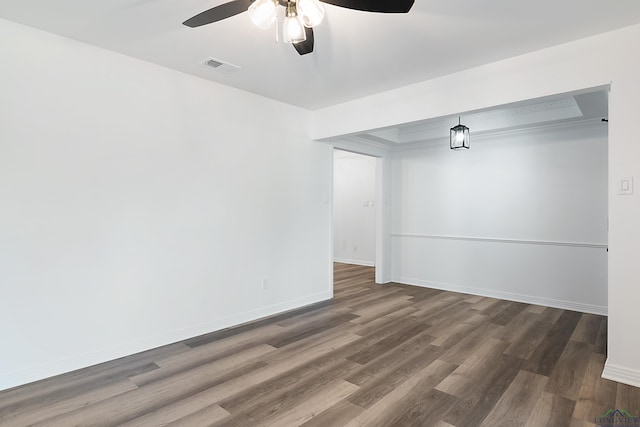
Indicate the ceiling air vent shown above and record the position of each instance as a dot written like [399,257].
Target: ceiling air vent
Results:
[220,66]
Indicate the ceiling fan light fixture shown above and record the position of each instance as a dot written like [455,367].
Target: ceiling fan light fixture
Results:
[311,11]
[298,25]
[293,27]
[263,13]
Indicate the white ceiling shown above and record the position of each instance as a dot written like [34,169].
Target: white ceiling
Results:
[356,53]
[557,110]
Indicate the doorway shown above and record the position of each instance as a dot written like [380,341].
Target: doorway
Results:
[354,208]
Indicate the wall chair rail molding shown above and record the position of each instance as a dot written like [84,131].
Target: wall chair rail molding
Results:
[506,241]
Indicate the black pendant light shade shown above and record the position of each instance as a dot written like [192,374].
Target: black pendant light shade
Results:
[459,136]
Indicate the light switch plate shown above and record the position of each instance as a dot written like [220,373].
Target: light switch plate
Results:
[625,185]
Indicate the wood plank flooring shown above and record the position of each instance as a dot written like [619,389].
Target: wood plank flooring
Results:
[390,355]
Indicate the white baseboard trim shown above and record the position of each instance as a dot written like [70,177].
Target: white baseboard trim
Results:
[35,373]
[355,262]
[528,299]
[621,374]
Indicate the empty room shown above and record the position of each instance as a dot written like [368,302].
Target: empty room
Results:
[331,213]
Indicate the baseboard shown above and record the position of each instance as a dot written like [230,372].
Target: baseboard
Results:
[62,366]
[621,374]
[355,262]
[528,299]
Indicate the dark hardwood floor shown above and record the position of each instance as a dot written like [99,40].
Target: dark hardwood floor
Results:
[389,355]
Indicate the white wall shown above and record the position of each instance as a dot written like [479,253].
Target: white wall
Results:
[354,213]
[520,215]
[141,206]
[586,63]
[124,189]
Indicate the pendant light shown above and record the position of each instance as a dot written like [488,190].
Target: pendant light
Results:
[293,28]
[459,136]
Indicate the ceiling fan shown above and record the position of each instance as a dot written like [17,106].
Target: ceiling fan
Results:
[301,15]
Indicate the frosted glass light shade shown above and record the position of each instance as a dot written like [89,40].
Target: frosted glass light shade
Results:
[311,11]
[459,137]
[293,30]
[262,13]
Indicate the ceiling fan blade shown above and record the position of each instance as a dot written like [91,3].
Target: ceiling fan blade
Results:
[218,13]
[306,46]
[381,6]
